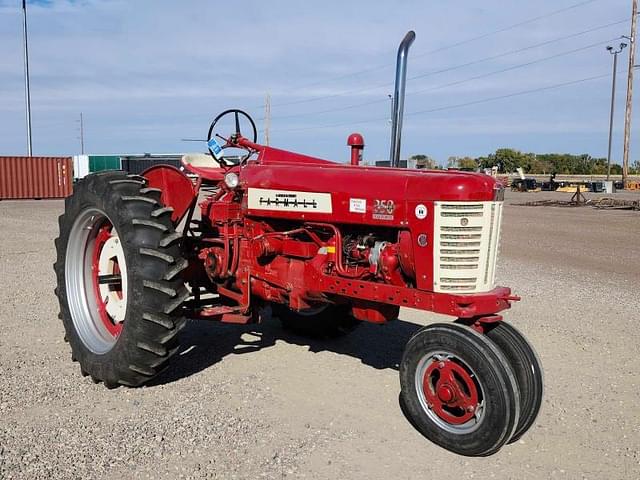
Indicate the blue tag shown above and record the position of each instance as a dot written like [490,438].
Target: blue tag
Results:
[215,147]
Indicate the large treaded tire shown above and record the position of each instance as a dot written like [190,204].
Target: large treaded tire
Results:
[332,322]
[155,291]
[527,367]
[494,379]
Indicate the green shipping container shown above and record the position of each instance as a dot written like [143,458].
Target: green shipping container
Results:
[98,163]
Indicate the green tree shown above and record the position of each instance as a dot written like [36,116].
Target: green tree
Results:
[508,160]
[616,169]
[423,161]
[463,163]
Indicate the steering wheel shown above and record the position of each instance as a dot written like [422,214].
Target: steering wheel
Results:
[231,142]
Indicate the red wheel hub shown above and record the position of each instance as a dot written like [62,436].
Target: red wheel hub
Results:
[445,393]
[450,391]
[104,234]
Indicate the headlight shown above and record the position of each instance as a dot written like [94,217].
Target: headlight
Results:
[231,180]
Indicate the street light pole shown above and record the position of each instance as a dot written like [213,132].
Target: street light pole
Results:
[27,90]
[615,53]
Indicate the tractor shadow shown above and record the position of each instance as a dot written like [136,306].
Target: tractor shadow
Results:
[206,343]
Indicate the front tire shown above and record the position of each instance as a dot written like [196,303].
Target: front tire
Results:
[528,371]
[118,271]
[458,390]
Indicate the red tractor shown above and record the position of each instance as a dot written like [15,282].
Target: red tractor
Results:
[325,246]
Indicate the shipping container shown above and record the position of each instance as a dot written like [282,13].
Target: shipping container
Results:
[138,164]
[132,163]
[35,177]
[80,166]
[97,163]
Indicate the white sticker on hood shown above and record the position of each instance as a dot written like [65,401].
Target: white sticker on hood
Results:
[358,205]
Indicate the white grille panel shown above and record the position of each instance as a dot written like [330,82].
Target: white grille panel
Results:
[466,240]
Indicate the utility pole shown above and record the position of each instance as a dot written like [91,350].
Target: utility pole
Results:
[615,53]
[267,118]
[27,89]
[627,113]
[81,134]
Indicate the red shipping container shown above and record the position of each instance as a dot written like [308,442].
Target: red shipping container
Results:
[35,177]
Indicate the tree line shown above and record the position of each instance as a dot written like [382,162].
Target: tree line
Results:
[508,160]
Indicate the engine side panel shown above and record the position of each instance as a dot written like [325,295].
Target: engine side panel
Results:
[379,197]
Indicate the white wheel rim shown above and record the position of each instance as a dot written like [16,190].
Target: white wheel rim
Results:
[84,298]
[111,260]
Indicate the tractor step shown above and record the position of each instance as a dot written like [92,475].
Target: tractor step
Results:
[224,314]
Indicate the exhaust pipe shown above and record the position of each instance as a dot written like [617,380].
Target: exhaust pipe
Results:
[398,97]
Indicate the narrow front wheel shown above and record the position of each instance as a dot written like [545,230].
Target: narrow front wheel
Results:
[458,389]
[527,368]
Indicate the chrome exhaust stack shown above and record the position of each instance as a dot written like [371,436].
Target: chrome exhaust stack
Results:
[398,97]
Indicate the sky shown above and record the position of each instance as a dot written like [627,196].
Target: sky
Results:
[147,74]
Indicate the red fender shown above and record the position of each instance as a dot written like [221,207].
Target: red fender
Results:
[178,191]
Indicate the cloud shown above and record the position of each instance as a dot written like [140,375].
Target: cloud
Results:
[148,73]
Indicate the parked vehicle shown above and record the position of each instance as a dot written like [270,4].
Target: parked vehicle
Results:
[325,246]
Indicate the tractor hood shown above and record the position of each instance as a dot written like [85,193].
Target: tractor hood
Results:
[326,191]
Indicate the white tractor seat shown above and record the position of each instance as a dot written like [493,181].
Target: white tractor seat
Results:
[199,160]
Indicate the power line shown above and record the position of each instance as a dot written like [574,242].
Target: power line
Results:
[456,67]
[518,50]
[441,49]
[509,27]
[451,68]
[455,106]
[330,110]
[515,67]
[510,95]
[267,118]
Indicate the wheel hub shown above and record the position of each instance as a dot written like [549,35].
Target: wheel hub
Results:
[109,275]
[450,390]
[445,393]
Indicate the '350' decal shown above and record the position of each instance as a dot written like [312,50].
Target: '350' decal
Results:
[383,209]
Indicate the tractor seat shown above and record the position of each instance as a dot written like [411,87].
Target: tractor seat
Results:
[204,165]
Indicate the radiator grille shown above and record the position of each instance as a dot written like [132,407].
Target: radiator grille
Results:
[466,242]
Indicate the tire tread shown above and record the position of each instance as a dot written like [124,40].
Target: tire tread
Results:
[150,336]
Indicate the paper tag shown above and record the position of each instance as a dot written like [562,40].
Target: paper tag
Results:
[215,147]
[357,205]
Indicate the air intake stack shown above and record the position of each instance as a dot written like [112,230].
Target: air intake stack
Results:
[398,97]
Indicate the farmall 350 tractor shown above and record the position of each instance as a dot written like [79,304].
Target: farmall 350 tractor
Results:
[325,246]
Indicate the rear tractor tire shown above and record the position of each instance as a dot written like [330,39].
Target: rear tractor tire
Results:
[118,272]
[327,321]
[458,390]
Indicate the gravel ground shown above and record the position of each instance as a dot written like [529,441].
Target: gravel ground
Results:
[254,402]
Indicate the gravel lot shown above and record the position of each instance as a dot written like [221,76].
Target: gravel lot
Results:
[254,402]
